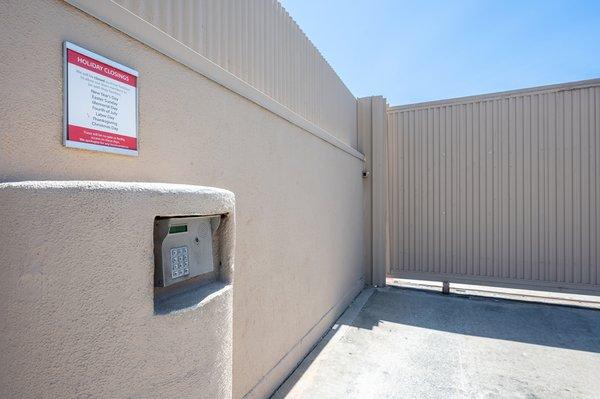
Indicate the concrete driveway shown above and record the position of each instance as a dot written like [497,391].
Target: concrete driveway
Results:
[400,343]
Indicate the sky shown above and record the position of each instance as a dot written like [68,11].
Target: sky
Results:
[415,51]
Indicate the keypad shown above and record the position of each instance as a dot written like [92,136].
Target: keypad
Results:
[179,262]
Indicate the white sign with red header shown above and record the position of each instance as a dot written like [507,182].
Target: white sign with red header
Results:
[101,102]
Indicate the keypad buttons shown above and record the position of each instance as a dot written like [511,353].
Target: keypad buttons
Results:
[179,262]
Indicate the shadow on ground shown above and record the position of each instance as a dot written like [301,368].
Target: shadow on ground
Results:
[539,324]
[407,343]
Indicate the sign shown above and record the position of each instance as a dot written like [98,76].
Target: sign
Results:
[100,103]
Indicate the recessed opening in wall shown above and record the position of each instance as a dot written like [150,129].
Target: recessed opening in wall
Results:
[186,261]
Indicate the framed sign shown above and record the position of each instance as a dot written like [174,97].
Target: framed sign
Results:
[100,103]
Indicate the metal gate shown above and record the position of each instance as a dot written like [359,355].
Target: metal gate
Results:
[501,189]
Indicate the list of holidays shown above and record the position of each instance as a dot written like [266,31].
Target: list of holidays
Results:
[102,103]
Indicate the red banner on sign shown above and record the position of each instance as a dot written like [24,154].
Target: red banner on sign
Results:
[92,136]
[101,68]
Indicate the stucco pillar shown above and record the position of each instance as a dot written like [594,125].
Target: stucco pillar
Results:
[77,312]
[372,124]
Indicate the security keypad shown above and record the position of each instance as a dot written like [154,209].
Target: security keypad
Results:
[179,262]
[183,248]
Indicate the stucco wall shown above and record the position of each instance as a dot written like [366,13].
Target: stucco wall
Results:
[299,199]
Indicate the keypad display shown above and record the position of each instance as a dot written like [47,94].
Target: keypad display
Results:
[179,262]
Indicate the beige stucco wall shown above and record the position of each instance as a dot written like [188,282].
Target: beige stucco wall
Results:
[299,199]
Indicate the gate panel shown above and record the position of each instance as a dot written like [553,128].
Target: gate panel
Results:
[501,189]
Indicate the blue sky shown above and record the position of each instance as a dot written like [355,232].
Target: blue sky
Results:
[429,50]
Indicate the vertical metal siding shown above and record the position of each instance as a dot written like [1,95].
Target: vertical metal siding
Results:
[501,189]
[257,41]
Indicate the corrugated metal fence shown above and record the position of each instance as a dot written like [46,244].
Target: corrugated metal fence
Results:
[257,41]
[500,189]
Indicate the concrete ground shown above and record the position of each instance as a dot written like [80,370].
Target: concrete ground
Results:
[401,343]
